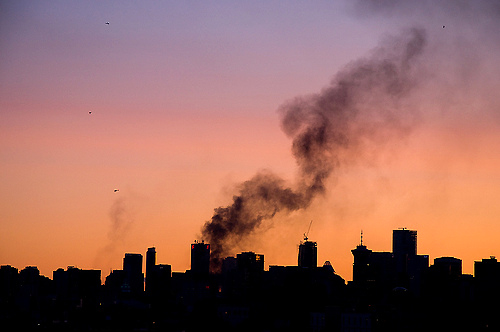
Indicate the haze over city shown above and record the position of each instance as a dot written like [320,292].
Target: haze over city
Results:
[118,137]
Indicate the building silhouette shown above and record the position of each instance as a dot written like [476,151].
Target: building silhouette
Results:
[443,280]
[158,279]
[200,258]
[375,274]
[448,267]
[115,283]
[404,249]
[250,262]
[404,242]
[361,272]
[9,284]
[389,291]
[303,297]
[308,254]
[487,282]
[132,268]
[373,269]
[409,265]
[150,266]
[77,287]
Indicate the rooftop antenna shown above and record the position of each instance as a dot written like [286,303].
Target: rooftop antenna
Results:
[307,233]
[361,237]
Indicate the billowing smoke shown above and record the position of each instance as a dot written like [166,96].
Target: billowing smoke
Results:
[361,110]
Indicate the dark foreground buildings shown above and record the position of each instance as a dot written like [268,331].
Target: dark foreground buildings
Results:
[390,291]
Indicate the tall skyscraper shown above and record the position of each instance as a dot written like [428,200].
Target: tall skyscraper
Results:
[200,258]
[409,265]
[308,254]
[404,242]
[150,267]
[132,267]
[404,248]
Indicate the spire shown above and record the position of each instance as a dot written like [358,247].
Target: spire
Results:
[360,245]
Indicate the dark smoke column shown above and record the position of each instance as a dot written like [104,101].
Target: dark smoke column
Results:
[357,113]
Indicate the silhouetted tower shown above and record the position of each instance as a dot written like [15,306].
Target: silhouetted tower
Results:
[487,276]
[360,268]
[409,265]
[308,251]
[404,242]
[132,267]
[200,258]
[404,248]
[308,254]
[248,274]
[150,267]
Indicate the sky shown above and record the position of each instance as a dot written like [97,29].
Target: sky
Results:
[176,104]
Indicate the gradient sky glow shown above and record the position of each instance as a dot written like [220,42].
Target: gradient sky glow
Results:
[184,99]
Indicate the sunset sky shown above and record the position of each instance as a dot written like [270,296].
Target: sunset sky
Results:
[184,99]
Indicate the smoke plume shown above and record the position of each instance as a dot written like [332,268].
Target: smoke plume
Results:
[122,220]
[361,110]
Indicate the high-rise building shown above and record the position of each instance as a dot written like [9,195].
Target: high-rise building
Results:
[308,254]
[158,276]
[200,258]
[150,266]
[409,265]
[400,268]
[372,267]
[132,267]
[487,276]
[404,242]
[360,268]
[404,248]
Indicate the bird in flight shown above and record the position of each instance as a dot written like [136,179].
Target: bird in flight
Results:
[107,23]
[116,190]
[90,112]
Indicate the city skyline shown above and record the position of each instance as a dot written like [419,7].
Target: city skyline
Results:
[126,126]
[397,290]
[305,257]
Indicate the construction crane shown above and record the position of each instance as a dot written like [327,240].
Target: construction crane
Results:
[307,233]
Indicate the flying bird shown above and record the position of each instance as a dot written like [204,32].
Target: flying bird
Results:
[116,190]
[443,26]
[90,112]
[107,23]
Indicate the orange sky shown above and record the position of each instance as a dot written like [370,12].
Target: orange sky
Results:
[184,101]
